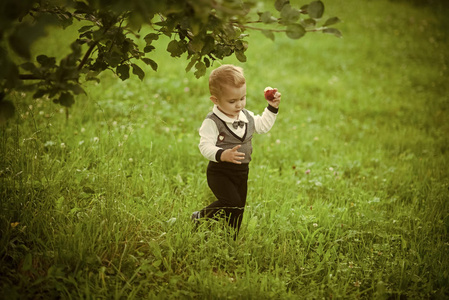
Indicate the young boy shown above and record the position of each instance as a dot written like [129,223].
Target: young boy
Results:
[225,141]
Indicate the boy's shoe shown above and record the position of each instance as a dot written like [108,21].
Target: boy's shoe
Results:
[195,216]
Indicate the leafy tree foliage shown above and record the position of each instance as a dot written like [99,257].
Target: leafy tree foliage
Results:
[204,30]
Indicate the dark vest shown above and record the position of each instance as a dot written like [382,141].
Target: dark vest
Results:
[227,139]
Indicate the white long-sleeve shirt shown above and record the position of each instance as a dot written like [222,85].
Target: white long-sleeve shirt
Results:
[209,131]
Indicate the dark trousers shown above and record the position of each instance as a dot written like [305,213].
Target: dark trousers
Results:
[229,183]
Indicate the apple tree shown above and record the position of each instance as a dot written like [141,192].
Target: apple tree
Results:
[203,30]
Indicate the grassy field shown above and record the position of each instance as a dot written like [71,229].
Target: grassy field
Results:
[348,193]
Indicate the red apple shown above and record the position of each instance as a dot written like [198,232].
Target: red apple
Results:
[269,93]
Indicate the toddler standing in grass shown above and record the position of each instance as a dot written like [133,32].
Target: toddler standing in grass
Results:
[225,141]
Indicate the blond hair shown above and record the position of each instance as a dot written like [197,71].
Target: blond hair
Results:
[225,75]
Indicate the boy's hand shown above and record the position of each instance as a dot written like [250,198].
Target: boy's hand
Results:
[275,99]
[232,155]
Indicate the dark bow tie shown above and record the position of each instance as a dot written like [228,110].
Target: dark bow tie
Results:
[237,124]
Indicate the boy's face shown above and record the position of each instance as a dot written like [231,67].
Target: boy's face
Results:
[231,101]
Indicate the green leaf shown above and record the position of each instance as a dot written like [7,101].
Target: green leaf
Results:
[196,44]
[289,14]
[114,58]
[222,51]
[316,9]
[267,18]
[52,92]
[98,35]
[206,62]
[7,111]
[45,61]
[332,21]
[192,62]
[304,9]
[213,23]
[229,31]
[65,19]
[92,76]
[149,38]
[81,7]
[28,66]
[39,94]
[279,4]
[76,89]
[209,45]
[150,62]
[174,48]
[241,45]
[148,48]
[123,71]
[295,31]
[240,55]
[200,69]
[333,31]
[85,28]
[269,34]
[66,99]
[138,71]
[136,19]
[308,23]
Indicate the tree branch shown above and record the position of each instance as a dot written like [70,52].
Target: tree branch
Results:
[29,77]
[86,56]
[261,29]
[281,30]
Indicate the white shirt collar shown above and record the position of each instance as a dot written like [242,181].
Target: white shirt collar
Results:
[242,116]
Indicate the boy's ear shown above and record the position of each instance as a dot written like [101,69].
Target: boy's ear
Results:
[214,99]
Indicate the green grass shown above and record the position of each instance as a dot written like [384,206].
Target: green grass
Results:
[98,206]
